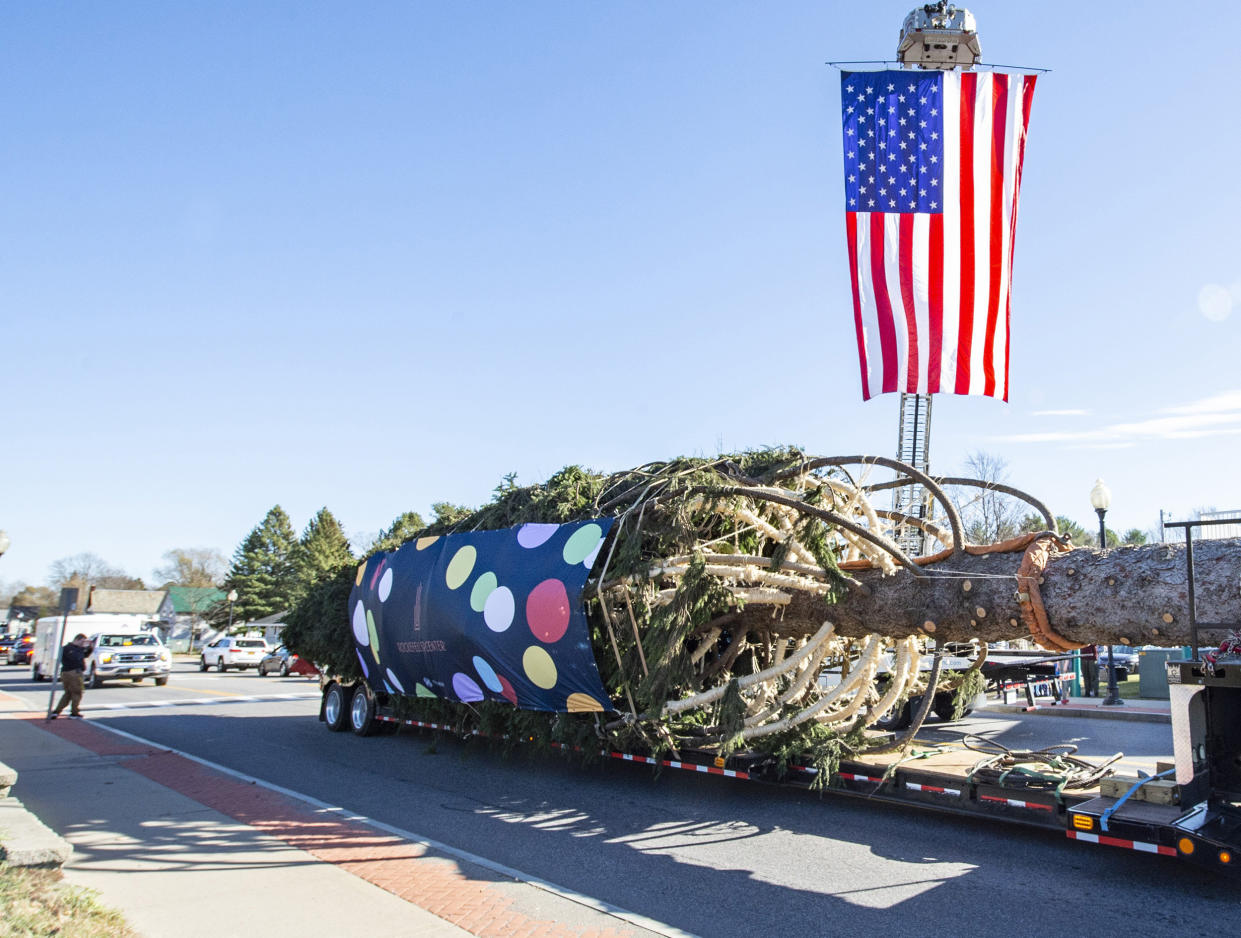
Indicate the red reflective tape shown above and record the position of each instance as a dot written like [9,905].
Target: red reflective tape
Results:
[1014,803]
[932,788]
[1124,844]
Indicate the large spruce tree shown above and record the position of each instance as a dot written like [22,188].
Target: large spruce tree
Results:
[264,570]
[322,551]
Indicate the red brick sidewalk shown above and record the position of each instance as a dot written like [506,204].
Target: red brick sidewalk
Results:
[405,869]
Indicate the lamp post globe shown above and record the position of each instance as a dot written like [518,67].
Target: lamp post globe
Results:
[232,598]
[1101,501]
[4,543]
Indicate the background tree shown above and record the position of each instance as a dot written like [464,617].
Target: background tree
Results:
[988,516]
[86,570]
[194,566]
[321,552]
[403,527]
[263,572]
[1134,536]
[39,600]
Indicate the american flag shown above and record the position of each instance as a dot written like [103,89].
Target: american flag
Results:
[932,175]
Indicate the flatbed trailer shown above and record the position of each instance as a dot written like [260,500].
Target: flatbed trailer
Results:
[1202,825]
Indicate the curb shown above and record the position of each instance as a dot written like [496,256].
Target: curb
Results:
[1089,713]
[24,839]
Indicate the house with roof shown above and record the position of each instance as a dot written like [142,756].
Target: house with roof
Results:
[154,604]
[190,606]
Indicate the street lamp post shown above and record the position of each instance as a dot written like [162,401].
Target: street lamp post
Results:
[1101,499]
[232,598]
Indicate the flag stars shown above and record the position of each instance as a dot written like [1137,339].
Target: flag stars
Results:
[891,87]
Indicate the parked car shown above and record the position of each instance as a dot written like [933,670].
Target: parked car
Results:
[6,645]
[284,662]
[231,652]
[1126,662]
[20,651]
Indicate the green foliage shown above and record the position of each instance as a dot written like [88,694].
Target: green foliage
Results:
[1134,536]
[404,527]
[317,627]
[972,685]
[263,572]
[322,551]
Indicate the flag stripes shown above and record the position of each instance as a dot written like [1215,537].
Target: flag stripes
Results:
[932,286]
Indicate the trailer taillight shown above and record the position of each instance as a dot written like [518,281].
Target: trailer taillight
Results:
[1185,845]
[1083,822]
[1225,856]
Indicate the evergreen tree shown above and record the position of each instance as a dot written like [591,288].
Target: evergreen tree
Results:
[403,527]
[264,571]
[322,551]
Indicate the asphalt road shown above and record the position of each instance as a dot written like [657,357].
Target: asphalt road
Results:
[708,855]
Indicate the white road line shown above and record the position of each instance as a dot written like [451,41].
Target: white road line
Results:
[198,702]
[633,918]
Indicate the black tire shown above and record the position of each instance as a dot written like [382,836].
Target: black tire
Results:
[943,705]
[362,712]
[220,665]
[136,680]
[897,718]
[336,701]
[284,669]
[262,671]
[202,663]
[35,674]
[161,681]
[96,681]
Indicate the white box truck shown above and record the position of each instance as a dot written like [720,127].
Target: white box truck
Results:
[125,647]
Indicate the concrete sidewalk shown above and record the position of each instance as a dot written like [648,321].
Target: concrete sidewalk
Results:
[182,850]
[1139,709]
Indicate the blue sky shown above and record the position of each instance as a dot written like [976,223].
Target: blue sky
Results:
[377,255]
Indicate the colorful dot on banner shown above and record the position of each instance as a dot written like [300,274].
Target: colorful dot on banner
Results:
[424,542]
[582,543]
[392,679]
[359,625]
[366,672]
[460,566]
[593,555]
[535,535]
[370,631]
[488,675]
[378,570]
[357,581]
[582,703]
[465,688]
[483,588]
[385,585]
[507,690]
[547,611]
[420,691]
[539,667]
[499,608]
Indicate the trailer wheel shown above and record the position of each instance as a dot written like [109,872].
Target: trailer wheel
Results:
[898,717]
[336,707]
[35,674]
[362,712]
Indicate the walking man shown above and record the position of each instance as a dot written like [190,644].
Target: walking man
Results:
[72,676]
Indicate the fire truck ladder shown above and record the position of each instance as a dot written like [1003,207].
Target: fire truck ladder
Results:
[913,448]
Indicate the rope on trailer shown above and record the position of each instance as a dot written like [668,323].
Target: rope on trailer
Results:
[1053,769]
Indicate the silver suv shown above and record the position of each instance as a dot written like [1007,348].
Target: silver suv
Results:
[229,652]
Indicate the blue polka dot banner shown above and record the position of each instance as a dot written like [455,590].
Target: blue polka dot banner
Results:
[486,615]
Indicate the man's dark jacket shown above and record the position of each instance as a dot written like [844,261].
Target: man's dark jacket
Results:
[73,658]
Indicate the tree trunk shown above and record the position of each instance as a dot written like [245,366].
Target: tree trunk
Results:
[1122,596]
